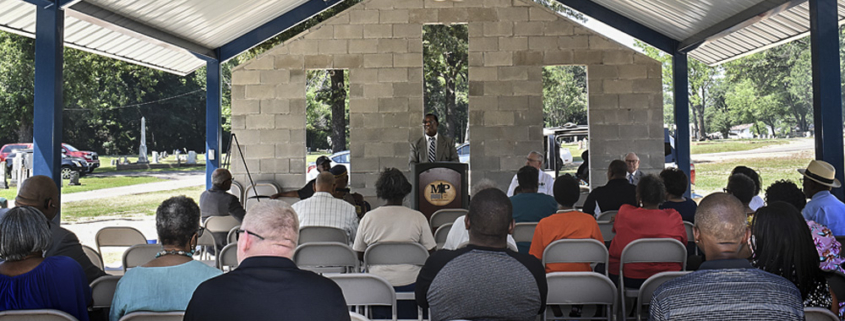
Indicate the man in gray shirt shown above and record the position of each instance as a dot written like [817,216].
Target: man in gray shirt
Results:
[217,202]
[460,284]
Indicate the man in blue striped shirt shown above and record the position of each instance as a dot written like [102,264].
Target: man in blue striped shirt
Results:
[726,286]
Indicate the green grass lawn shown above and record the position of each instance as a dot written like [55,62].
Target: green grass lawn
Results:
[92,183]
[713,177]
[733,145]
[107,167]
[312,157]
[140,204]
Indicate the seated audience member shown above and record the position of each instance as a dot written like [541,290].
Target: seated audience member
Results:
[267,285]
[567,223]
[167,282]
[218,202]
[676,183]
[786,191]
[823,207]
[28,280]
[342,191]
[544,180]
[40,192]
[393,222]
[634,223]
[756,201]
[322,209]
[634,173]
[583,172]
[726,286]
[742,187]
[616,192]
[782,245]
[485,280]
[324,164]
[529,205]
[458,234]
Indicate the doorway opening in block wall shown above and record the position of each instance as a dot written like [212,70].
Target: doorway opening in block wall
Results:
[565,120]
[327,118]
[445,72]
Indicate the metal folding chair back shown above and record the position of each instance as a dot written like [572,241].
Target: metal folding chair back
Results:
[446,215]
[649,250]
[819,314]
[524,232]
[581,288]
[261,188]
[102,290]
[364,289]
[227,258]
[237,190]
[154,316]
[606,216]
[576,251]
[690,235]
[139,255]
[220,224]
[357,317]
[441,234]
[310,234]
[36,315]
[93,256]
[206,241]
[651,284]
[232,237]
[118,236]
[606,228]
[391,253]
[326,257]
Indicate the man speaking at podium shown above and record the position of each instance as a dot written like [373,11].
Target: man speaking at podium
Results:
[432,147]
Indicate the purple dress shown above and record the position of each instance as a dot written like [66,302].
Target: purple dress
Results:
[57,283]
[828,248]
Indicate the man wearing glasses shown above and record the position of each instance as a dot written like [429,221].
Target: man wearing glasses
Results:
[546,182]
[267,285]
[217,202]
[432,147]
[634,173]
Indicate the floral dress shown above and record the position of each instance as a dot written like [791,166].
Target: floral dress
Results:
[828,248]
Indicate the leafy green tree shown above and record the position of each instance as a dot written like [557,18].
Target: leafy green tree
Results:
[564,95]
[445,70]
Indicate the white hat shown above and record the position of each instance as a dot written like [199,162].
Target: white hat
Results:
[821,172]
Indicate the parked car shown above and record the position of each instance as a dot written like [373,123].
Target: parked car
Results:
[69,164]
[91,158]
[339,158]
[463,153]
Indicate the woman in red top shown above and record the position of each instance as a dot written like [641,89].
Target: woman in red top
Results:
[648,221]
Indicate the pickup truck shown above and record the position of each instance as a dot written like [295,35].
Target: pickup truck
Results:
[91,158]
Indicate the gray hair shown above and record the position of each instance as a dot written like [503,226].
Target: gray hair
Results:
[274,220]
[23,231]
[483,184]
[542,157]
[177,219]
[220,176]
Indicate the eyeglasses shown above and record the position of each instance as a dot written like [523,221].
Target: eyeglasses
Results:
[533,160]
[632,160]
[425,122]
[239,231]
[200,230]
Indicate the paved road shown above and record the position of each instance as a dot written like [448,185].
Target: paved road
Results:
[795,146]
[175,180]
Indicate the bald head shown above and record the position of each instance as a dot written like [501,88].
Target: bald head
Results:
[39,192]
[221,178]
[721,226]
[324,182]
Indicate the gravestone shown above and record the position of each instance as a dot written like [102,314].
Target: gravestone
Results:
[192,157]
[155,157]
[74,179]
[142,150]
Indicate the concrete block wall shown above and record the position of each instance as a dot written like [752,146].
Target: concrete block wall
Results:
[380,43]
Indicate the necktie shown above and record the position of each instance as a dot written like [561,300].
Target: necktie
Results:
[631,178]
[431,149]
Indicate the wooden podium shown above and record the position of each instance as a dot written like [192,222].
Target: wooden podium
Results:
[437,186]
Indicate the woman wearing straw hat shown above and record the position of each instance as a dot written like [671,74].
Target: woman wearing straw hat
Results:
[823,207]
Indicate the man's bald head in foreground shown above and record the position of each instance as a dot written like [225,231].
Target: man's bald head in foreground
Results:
[324,182]
[40,192]
[721,226]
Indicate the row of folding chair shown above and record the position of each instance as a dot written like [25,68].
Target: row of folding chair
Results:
[260,188]
[445,216]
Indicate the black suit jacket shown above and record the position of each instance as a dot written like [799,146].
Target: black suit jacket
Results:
[611,196]
[65,243]
[445,151]
[267,288]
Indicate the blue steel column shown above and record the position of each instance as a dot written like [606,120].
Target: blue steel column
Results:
[680,73]
[213,128]
[47,126]
[827,94]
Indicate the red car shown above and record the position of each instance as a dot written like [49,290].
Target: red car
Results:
[91,157]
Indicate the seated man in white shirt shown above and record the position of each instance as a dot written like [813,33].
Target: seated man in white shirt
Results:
[323,209]
[458,236]
[546,183]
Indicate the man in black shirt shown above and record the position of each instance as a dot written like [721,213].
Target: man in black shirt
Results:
[616,192]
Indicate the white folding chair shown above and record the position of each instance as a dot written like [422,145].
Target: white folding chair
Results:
[357,317]
[326,257]
[441,234]
[206,242]
[392,253]
[102,290]
[260,188]
[364,289]
[690,235]
[220,224]
[606,216]
[606,228]
[580,288]
[237,190]
[232,237]
[93,256]
[36,315]
[154,316]
[446,215]
[651,284]
[524,232]
[819,314]
[648,250]
[309,234]
[118,236]
[576,251]
[139,254]
[228,257]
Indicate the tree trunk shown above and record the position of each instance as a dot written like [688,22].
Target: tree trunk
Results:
[451,106]
[338,101]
